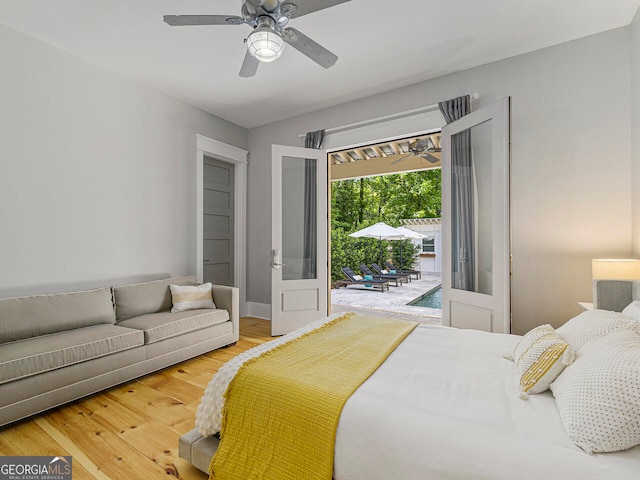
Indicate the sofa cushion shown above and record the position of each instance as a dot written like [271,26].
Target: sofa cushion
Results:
[26,317]
[144,298]
[158,326]
[36,355]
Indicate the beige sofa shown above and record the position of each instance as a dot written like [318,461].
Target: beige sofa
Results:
[58,348]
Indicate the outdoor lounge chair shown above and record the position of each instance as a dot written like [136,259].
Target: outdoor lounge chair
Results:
[354,280]
[390,266]
[404,276]
[393,278]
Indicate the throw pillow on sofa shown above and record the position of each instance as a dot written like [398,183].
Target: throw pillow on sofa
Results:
[191,298]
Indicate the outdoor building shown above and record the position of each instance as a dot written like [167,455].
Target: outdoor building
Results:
[430,257]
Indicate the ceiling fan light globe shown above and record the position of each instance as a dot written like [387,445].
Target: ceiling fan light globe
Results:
[265,45]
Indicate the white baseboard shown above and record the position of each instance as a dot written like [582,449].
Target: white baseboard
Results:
[259,310]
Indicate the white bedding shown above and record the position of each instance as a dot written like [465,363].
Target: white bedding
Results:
[445,405]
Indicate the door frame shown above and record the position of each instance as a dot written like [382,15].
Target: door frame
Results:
[423,121]
[237,157]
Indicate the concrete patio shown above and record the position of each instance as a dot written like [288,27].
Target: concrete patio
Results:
[393,302]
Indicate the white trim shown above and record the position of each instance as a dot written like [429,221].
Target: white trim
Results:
[425,122]
[238,158]
[259,310]
[391,117]
[222,151]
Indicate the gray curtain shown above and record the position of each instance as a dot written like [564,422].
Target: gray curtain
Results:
[310,234]
[462,198]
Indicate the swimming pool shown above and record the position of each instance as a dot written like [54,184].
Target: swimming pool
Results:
[431,299]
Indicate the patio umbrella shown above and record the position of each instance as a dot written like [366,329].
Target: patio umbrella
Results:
[381,231]
[410,234]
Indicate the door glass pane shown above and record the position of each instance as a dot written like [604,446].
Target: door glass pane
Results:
[472,210]
[299,218]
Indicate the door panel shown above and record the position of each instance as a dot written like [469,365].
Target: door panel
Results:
[298,300]
[218,222]
[475,199]
[299,237]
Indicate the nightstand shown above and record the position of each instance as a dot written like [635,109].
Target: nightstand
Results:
[586,306]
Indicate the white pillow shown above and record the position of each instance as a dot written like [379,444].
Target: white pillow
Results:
[593,324]
[191,298]
[357,277]
[599,395]
[632,311]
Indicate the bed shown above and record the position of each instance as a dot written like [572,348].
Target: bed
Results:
[447,404]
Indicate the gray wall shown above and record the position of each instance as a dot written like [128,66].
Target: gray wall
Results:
[571,155]
[97,173]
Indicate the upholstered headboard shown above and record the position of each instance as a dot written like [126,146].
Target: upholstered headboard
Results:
[615,294]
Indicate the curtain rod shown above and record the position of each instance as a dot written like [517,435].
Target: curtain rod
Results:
[393,116]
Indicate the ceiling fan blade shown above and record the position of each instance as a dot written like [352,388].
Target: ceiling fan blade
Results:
[308,47]
[303,7]
[182,20]
[431,158]
[249,66]
[401,158]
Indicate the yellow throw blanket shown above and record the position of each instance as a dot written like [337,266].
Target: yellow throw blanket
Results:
[282,408]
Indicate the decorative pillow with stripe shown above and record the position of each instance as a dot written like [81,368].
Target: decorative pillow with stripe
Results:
[191,298]
[540,356]
[527,341]
[542,364]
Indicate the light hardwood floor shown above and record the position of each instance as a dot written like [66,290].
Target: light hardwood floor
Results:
[130,431]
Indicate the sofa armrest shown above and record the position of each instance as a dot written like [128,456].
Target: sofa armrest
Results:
[228,298]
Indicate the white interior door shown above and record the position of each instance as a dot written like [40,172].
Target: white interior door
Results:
[299,237]
[475,220]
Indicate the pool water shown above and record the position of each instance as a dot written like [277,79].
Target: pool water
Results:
[431,299]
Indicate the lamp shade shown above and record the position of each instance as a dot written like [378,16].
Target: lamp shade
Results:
[615,269]
[265,44]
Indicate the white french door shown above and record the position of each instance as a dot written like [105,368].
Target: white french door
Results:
[475,206]
[299,237]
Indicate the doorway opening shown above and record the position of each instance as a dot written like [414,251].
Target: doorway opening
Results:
[398,182]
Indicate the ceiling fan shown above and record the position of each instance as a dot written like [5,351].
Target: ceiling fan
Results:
[422,147]
[269,19]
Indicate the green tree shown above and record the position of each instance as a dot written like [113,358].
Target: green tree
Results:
[358,203]
[404,253]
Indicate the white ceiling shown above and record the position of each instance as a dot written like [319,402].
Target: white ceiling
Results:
[381,45]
